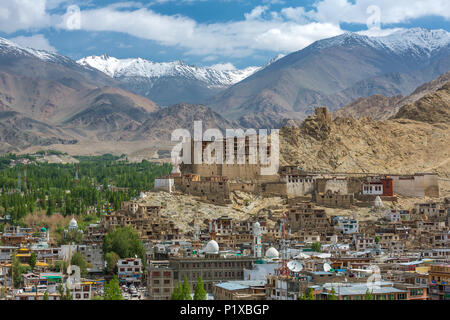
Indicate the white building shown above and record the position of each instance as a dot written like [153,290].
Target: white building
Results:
[164,184]
[347,225]
[373,189]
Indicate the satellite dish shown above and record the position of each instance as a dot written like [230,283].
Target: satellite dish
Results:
[295,266]
[326,267]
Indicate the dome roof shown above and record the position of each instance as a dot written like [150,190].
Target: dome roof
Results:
[73,224]
[43,229]
[272,253]
[257,225]
[212,247]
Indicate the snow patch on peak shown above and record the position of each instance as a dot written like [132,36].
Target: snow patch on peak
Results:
[414,41]
[215,76]
[9,47]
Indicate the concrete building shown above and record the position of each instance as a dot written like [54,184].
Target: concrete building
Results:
[129,271]
[347,225]
[438,280]
[240,290]
[417,185]
[166,183]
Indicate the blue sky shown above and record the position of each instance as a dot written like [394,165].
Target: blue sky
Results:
[205,32]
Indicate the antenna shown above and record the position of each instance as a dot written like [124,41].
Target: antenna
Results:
[294,266]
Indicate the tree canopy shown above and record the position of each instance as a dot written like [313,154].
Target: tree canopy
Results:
[125,242]
[112,290]
[79,260]
[199,293]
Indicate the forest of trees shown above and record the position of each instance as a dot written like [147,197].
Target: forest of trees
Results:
[54,189]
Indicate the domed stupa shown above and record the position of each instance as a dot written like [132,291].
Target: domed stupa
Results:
[212,247]
[378,204]
[272,253]
[73,224]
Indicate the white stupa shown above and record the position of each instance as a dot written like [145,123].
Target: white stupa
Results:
[73,224]
[378,203]
[272,253]
[212,247]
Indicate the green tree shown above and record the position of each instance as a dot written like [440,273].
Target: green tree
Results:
[199,293]
[46,295]
[60,266]
[177,292]
[111,259]
[316,246]
[72,236]
[125,242]
[310,295]
[79,260]
[332,295]
[377,239]
[16,270]
[60,290]
[112,290]
[68,295]
[186,290]
[368,295]
[33,260]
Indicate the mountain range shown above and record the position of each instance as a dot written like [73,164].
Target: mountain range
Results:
[168,83]
[336,71]
[102,104]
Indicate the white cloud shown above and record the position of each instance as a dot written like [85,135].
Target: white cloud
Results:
[23,15]
[391,11]
[256,13]
[376,32]
[286,30]
[223,66]
[38,42]
[235,39]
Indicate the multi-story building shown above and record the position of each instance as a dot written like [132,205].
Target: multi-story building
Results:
[160,280]
[82,291]
[240,290]
[129,270]
[438,282]
[347,225]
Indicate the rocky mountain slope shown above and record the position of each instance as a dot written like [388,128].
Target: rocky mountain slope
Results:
[401,145]
[431,108]
[379,107]
[163,122]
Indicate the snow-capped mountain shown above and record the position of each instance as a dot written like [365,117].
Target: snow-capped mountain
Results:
[416,42]
[335,71]
[126,68]
[168,83]
[10,48]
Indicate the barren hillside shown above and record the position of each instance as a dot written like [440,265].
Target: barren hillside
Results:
[366,145]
